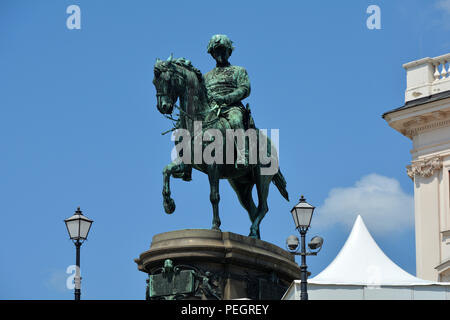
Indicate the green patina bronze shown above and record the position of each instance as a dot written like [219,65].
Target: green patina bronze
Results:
[180,282]
[228,85]
[183,282]
[170,283]
[215,100]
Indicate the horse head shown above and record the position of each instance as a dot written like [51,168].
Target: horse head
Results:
[168,83]
[174,78]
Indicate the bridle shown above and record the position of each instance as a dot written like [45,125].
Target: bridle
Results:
[191,116]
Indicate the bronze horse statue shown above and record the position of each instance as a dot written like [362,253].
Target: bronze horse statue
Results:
[177,79]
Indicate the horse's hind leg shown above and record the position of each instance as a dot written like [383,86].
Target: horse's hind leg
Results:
[213,176]
[262,186]
[169,170]
[244,193]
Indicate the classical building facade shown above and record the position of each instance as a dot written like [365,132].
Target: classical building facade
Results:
[425,119]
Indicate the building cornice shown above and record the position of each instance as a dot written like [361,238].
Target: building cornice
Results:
[424,123]
[421,118]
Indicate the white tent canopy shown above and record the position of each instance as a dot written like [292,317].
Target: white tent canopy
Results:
[361,261]
[361,266]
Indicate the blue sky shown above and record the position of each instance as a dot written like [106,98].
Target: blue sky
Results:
[79,127]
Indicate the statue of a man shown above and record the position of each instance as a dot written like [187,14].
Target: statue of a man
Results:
[227,86]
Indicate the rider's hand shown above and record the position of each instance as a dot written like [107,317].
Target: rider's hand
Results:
[218,99]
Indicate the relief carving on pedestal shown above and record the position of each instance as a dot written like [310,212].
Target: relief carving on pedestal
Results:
[424,168]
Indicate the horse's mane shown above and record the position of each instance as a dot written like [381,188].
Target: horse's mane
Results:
[182,62]
[194,74]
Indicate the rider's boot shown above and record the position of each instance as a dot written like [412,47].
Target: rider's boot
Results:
[187,174]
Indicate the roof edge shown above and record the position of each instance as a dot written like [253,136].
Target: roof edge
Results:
[420,101]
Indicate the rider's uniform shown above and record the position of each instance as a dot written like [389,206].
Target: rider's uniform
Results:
[233,85]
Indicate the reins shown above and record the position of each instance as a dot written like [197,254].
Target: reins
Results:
[190,116]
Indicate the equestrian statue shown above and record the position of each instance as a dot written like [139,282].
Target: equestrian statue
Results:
[210,108]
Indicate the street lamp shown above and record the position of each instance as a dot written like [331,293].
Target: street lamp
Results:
[78,227]
[302,214]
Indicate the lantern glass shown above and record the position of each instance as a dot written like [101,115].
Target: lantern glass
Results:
[302,214]
[78,226]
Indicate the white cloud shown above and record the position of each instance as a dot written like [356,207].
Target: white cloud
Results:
[380,200]
[444,5]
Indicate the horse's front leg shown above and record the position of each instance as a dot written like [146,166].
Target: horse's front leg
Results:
[169,170]
[213,176]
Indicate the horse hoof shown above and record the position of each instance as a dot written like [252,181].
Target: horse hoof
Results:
[254,235]
[169,206]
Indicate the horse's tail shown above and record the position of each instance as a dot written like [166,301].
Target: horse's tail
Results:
[280,182]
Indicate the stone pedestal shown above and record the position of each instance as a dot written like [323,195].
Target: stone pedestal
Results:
[208,264]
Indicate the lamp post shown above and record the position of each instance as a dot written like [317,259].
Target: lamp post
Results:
[78,227]
[302,214]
